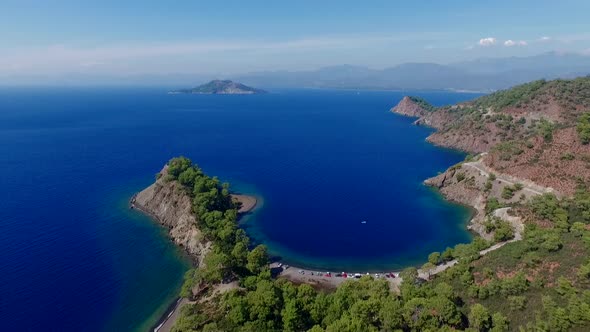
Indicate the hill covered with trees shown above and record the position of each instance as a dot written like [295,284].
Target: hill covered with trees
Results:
[219,87]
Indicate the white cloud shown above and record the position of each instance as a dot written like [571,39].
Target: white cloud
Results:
[511,42]
[544,39]
[489,41]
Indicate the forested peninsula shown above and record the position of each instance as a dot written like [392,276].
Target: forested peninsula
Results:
[529,269]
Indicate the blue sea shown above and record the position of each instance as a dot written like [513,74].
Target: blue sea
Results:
[75,258]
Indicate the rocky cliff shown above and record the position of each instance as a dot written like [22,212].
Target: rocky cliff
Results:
[172,207]
[440,119]
[462,185]
[409,107]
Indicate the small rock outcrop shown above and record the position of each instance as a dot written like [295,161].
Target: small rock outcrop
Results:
[167,202]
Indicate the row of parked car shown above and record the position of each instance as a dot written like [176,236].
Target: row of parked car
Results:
[349,275]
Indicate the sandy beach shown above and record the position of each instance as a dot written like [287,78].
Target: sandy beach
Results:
[327,279]
[248,202]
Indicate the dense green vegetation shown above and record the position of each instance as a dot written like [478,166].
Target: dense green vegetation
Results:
[423,103]
[512,97]
[570,94]
[216,213]
[538,284]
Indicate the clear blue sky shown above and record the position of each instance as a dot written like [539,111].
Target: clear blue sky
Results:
[141,37]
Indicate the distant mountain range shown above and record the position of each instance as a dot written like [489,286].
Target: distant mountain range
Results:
[486,74]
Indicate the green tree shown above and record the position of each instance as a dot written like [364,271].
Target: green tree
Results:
[434,258]
[584,272]
[514,285]
[499,323]
[257,259]
[390,314]
[177,166]
[444,310]
[445,290]
[504,231]
[466,252]
[293,316]
[517,302]
[578,229]
[187,178]
[492,204]
[409,274]
[479,317]
[545,129]
[214,266]
[191,277]
[579,310]
[551,242]
[559,320]
[564,286]
[583,128]
[240,252]
[447,255]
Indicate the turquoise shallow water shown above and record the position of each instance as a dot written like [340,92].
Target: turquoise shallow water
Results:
[76,258]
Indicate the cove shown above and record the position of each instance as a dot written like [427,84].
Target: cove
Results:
[76,258]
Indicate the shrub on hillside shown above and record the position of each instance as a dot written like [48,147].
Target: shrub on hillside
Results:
[584,128]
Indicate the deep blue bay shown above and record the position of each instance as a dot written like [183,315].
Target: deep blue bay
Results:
[75,258]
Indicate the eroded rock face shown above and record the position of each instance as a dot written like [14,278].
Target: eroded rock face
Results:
[408,107]
[458,191]
[171,206]
[461,141]
[465,191]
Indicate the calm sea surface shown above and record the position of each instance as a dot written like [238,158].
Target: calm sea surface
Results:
[75,258]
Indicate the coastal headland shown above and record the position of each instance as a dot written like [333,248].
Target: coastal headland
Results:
[170,206]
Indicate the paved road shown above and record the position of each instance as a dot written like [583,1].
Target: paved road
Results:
[440,268]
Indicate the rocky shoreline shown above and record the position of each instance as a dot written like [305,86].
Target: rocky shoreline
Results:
[168,204]
[470,183]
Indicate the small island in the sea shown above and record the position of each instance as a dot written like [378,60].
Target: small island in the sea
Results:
[221,87]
